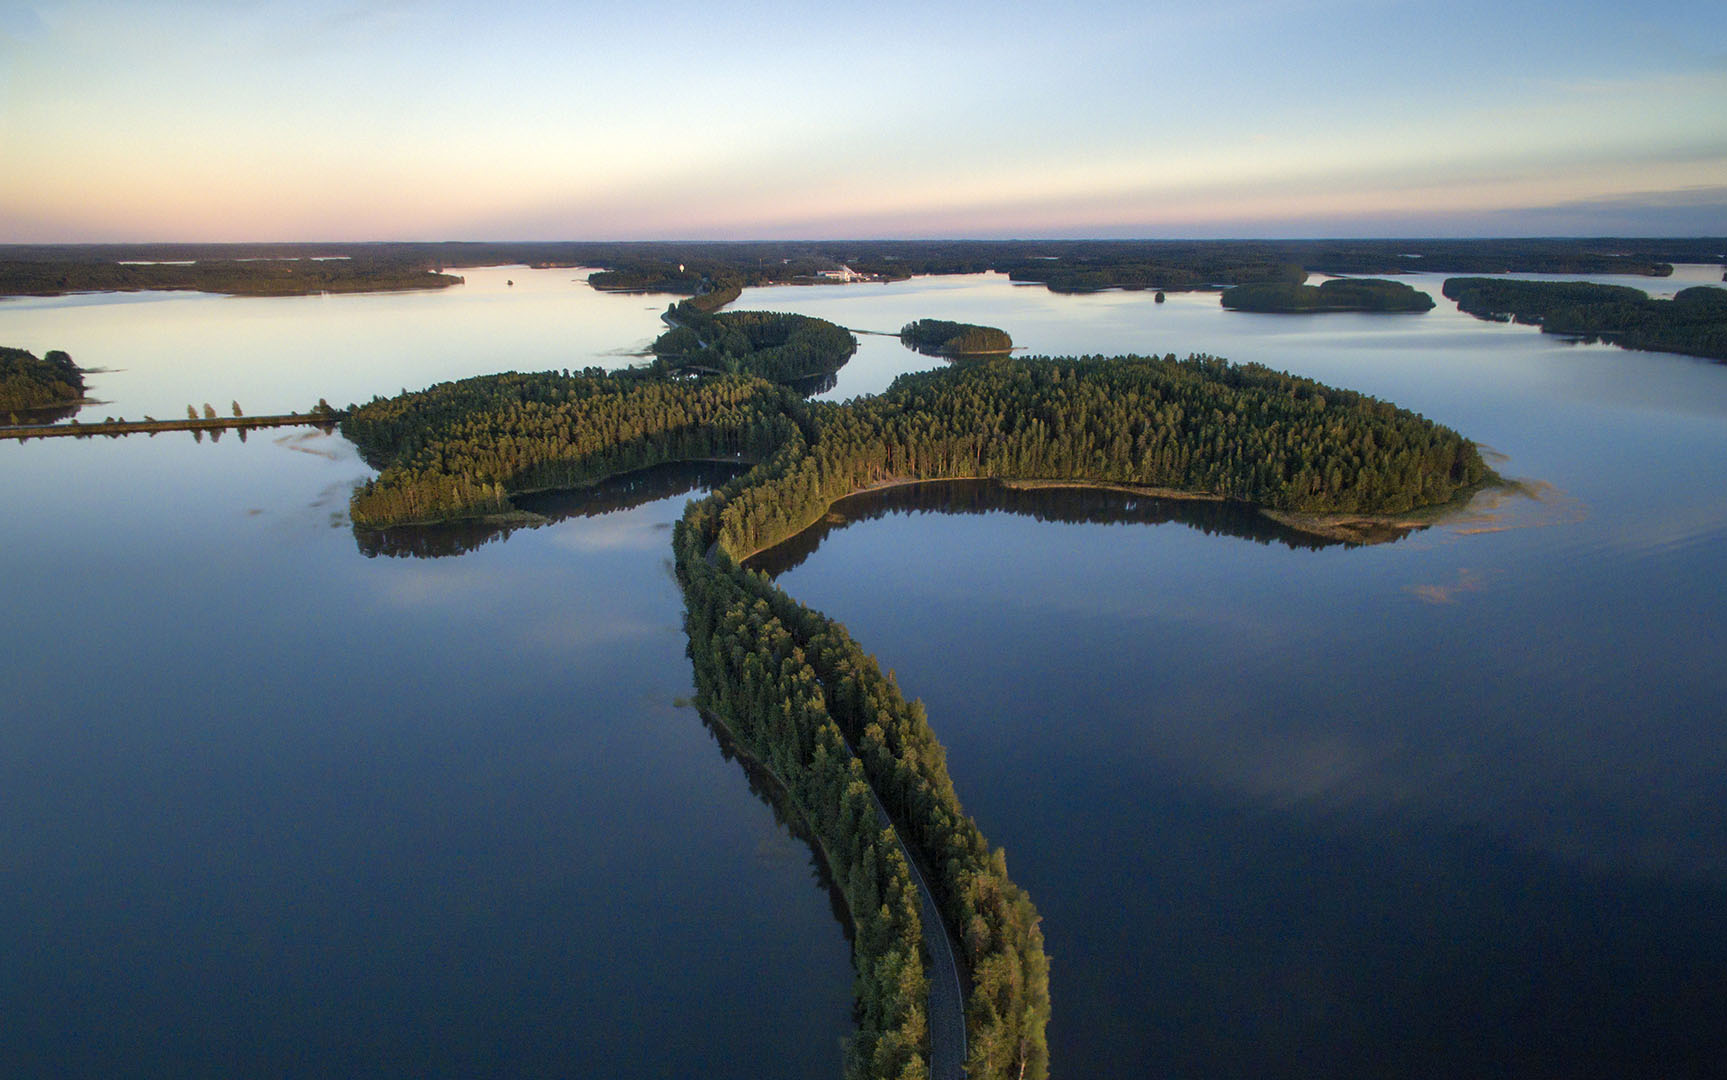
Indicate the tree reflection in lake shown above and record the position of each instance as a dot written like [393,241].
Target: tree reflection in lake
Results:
[545,508]
[1070,505]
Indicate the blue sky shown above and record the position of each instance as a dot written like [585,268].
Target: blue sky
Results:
[430,120]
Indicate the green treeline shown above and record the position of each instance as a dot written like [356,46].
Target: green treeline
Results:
[1650,258]
[1088,275]
[715,268]
[31,382]
[651,277]
[938,337]
[1694,322]
[1338,294]
[267,277]
[777,347]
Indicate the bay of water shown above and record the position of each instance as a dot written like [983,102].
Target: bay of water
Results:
[278,802]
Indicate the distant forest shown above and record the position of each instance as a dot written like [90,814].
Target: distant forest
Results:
[1082,273]
[701,267]
[28,382]
[233,276]
[1337,294]
[1694,322]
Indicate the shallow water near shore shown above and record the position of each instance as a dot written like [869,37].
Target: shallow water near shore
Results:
[279,802]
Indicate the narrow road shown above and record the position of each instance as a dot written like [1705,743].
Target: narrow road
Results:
[947,1049]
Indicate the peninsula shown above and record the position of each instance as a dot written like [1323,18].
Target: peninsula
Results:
[1694,322]
[791,349]
[29,383]
[938,337]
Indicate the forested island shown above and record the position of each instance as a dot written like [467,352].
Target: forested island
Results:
[792,349]
[1338,294]
[938,337]
[1694,322]
[29,383]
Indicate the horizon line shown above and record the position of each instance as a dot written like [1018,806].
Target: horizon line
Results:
[1243,238]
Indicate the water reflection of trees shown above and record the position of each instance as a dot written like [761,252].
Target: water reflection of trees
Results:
[766,787]
[44,414]
[1069,505]
[546,507]
[120,428]
[811,385]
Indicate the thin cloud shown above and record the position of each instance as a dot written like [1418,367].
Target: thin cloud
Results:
[1468,581]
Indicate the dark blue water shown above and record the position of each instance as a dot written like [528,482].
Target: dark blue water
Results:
[278,800]
[269,807]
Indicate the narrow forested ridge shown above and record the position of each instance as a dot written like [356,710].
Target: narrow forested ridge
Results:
[31,382]
[754,677]
[823,712]
[1694,322]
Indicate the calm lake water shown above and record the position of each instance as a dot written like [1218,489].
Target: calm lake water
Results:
[277,802]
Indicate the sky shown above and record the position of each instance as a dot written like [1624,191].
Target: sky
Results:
[323,120]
